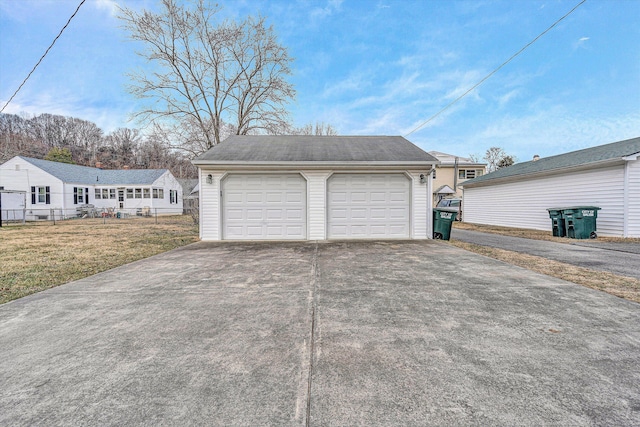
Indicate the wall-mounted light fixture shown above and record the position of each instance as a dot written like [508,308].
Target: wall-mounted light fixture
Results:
[423,178]
[209,179]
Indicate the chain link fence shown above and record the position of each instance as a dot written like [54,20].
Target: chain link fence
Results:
[53,215]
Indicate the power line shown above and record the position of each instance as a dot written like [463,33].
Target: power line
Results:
[495,71]
[42,57]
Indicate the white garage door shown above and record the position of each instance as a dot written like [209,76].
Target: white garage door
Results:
[368,206]
[264,207]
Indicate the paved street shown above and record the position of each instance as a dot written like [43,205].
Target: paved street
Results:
[618,258]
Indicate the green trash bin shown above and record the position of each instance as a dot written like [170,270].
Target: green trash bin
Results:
[442,221]
[557,222]
[580,222]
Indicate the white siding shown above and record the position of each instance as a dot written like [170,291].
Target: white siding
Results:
[317,202]
[523,204]
[20,175]
[421,206]
[210,205]
[633,198]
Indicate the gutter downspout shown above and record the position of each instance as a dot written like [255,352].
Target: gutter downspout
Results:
[455,176]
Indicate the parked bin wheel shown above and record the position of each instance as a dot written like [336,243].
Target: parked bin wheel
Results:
[437,236]
[593,235]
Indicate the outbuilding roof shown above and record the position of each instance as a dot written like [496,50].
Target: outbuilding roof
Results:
[93,176]
[270,149]
[602,154]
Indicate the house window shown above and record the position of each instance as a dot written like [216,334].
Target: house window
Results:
[466,173]
[98,193]
[173,196]
[146,193]
[112,193]
[138,193]
[80,195]
[129,193]
[158,193]
[40,195]
[105,193]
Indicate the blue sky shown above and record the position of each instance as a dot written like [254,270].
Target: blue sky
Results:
[374,67]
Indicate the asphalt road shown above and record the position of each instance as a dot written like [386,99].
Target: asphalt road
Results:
[320,334]
[618,258]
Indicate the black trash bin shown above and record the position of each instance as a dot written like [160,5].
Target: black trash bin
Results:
[557,222]
[580,222]
[442,221]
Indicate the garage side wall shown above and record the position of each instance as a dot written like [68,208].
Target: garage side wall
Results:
[421,205]
[210,205]
[633,199]
[523,204]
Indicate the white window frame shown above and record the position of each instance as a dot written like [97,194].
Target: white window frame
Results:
[41,192]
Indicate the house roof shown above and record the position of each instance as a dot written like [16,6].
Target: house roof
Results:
[187,184]
[93,176]
[593,156]
[450,159]
[265,149]
[444,189]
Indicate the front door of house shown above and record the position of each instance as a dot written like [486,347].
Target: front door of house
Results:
[121,198]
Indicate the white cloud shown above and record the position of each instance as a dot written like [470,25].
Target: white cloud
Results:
[110,6]
[322,12]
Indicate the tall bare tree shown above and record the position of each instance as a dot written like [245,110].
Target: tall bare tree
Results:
[209,73]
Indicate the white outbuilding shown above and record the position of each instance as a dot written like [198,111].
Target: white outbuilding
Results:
[606,176]
[267,187]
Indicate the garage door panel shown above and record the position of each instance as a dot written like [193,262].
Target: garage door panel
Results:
[368,206]
[338,197]
[295,214]
[260,207]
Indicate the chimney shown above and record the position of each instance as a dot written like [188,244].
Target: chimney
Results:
[125,167]
[99,165]
[536,157]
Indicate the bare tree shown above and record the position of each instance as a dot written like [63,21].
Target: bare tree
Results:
[211,75]
[496,158]
[123,146]
[319,130]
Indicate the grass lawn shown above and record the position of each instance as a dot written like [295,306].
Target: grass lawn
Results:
[39,256]
[621,286]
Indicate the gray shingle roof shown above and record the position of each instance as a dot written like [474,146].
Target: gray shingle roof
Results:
[333,149]
[93,176]
[602,153]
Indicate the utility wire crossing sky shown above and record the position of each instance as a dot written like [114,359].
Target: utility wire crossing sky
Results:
[371,67]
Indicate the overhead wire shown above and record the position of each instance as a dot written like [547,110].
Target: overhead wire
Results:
[42,57]
[420,126]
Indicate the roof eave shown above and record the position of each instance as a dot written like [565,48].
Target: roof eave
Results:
[546,172]
[312,165]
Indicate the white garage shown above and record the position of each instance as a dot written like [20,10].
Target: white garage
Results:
[271,187]
[606,176]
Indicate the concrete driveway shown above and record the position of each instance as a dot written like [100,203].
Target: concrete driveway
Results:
[614,257]
[378,333]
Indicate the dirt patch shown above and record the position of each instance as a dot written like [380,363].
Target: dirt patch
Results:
[532,234]
[39,256]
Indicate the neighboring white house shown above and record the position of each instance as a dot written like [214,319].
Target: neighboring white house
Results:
[54,188]
[607,176]
[315,188]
